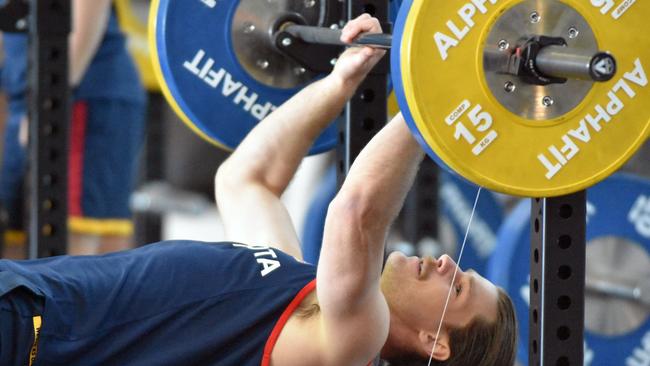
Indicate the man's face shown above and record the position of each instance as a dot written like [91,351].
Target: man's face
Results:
[416,290]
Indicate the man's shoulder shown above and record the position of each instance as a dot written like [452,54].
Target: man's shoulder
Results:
[356,337]
[357,342]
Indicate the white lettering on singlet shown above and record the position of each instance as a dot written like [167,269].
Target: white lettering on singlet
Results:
[265,256]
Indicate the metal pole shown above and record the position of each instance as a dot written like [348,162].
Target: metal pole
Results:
[49,116]
[367,112]
[557,280]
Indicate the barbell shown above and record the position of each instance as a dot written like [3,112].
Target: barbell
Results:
[541,60]
[531,98]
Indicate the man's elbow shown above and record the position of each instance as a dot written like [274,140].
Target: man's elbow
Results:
[226,181]
[355,208]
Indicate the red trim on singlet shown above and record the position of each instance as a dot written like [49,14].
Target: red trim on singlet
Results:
[277,329]
[284,318]
[76,163]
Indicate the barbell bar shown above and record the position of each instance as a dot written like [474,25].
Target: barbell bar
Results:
[639,293]
[557,62]
[321,35]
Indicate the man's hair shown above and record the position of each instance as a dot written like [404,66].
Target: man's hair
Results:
[480,343]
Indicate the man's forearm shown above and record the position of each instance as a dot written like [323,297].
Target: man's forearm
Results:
[273,150]
[384,171]
[359,217]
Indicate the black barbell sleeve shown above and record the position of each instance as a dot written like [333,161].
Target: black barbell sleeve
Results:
[559,61]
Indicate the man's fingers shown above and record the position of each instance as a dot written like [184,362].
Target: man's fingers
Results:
[356,62]
[358,26]
[364,54]
[362,24]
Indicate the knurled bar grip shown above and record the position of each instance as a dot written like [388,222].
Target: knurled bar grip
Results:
[320,35]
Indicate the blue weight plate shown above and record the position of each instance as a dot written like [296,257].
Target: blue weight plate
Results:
[618,207]
[457,199]
[398,86]
[199,72]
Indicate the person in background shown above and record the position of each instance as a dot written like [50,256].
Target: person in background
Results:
[106,131]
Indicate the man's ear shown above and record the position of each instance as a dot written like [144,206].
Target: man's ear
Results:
[442,351]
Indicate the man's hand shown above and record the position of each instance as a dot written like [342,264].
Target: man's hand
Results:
[356,62]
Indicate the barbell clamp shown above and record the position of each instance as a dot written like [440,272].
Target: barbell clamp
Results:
[543,60]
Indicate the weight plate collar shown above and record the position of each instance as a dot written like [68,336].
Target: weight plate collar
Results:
[521,98]
[201,77]
[457,119]
[619,208]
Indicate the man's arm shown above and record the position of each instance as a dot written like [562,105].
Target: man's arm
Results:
[89,22]
[250,182]
[357,223]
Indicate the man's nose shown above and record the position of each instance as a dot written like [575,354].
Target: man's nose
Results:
[449,260]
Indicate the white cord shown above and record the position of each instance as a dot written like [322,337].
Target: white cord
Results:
[453,279]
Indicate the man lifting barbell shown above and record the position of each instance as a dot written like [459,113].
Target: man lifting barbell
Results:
[233,304]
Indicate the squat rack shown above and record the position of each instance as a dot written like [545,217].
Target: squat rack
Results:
[47,23]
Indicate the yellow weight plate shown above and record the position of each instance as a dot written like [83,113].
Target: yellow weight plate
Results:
[524,151]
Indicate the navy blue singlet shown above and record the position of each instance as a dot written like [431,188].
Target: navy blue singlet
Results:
[171,303]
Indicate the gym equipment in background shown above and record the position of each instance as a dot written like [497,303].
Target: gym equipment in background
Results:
[617,307]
